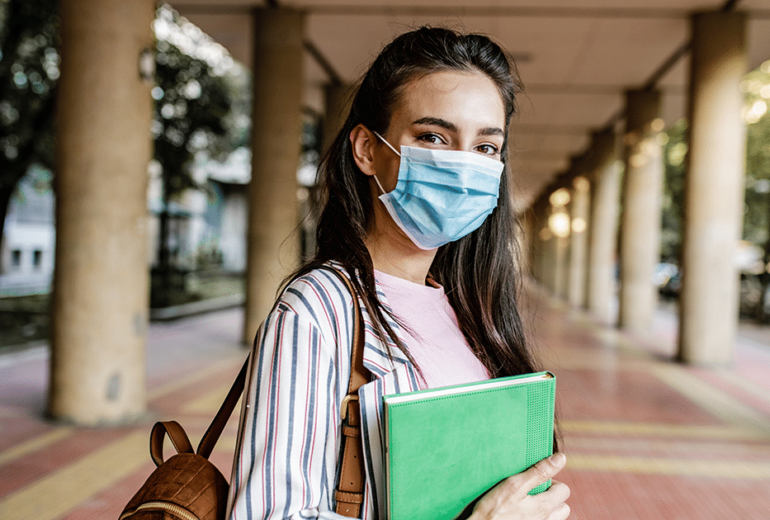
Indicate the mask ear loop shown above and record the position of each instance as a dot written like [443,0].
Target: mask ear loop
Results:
[378,184]
[387,143]
[394,151]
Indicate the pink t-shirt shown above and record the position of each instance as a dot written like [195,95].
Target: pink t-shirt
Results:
[437,345]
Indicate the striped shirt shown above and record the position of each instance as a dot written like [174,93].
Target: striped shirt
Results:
[289,436]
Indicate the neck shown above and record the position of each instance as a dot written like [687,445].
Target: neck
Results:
[393,252]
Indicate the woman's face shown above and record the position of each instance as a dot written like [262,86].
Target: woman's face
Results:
[447,110]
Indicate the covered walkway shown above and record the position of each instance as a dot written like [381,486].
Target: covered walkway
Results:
[645,438]
[603,79]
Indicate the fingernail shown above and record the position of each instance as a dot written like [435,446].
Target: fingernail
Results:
[558,459]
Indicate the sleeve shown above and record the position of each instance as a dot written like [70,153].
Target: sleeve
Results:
[285,463]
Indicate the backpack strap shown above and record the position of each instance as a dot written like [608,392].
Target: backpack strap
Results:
[350,487]
[177,435]
[217,425]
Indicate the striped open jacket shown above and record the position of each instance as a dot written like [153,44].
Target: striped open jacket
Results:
[286,458]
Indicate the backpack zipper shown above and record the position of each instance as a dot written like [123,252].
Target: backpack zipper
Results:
[165,506]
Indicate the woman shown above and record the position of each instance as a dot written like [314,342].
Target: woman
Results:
[412,215]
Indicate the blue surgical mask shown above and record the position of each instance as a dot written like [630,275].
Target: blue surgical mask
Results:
[441,195]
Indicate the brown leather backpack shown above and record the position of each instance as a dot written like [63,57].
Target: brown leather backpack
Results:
[188,486]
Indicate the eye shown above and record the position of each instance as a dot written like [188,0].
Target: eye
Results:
[488,149]
[431,138]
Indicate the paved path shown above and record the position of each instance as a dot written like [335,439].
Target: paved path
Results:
[645,438]
[50,471]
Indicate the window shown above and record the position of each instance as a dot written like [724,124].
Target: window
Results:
[37,259]
[16,258]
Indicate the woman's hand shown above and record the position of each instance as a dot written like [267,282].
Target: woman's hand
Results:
[509,499]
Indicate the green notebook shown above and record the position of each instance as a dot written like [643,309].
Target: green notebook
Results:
[445,447]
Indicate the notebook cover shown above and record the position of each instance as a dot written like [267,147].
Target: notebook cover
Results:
[444,451]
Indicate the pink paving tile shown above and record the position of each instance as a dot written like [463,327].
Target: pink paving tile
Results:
[17,429]
[27,469]
[175,400]
[628,496]
[623,396]
[760,402]
[109,504]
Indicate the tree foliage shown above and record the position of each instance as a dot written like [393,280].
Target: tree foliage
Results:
[756,218]
[194,95]
[756,222]
[29,68]
[192,101]
[193,113]
[756,214]
[674,152]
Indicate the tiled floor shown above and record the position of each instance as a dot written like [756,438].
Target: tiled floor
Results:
[49,471]
[650,439]
[645,438]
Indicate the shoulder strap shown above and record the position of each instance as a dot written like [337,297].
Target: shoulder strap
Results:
[350,488]
[211,436]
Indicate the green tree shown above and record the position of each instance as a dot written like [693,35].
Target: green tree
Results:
[29,68]
[674,153]
[756,220]
[193,100]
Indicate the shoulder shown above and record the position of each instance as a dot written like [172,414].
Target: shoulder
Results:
[320,297]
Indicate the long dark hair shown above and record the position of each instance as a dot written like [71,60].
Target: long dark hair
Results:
[480,271]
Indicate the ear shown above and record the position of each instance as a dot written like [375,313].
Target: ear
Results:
[362,143]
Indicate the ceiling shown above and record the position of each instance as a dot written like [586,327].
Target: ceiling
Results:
[576,58]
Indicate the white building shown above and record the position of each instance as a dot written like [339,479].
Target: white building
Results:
[29,238]
[206,224]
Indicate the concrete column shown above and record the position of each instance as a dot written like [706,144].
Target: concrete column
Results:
[548,246]
[640,222]
[714,189]
[559,224]
[549,262]
[578,265]
[338,100]
[273,245]
[561,261]
[534,241]
[526,241]
[605,200]
[543,235]
[538,241]
[100,296]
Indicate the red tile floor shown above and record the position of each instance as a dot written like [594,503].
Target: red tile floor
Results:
[645,438]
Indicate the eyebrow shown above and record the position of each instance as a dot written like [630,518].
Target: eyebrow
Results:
[492,130]
[443,123]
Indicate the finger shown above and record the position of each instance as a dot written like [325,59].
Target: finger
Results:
[559,491]
[560,513]
[543,471]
